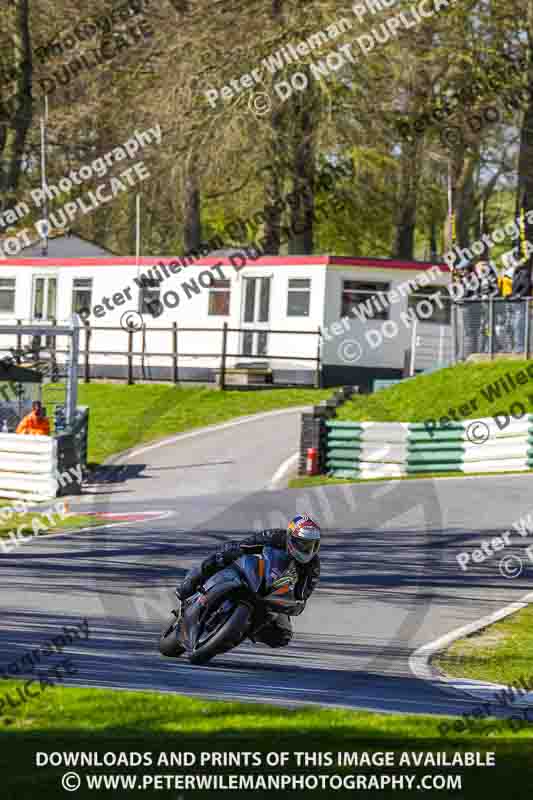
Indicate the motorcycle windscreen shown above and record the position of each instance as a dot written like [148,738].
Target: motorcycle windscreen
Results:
[280,581]
[249,568]
[276,565]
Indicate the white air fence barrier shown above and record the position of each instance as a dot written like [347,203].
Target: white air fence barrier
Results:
[28,467]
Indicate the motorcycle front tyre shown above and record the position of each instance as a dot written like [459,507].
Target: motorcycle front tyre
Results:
[228,636]
[169,644]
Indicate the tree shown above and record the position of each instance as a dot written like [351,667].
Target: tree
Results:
[15,97]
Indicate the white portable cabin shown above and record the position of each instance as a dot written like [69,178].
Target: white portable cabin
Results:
[274,307]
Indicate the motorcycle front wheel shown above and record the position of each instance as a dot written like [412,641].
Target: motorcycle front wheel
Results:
[223,638]
[169,644]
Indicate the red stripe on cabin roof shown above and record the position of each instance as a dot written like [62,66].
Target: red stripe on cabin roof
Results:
[266,261]
[386,263]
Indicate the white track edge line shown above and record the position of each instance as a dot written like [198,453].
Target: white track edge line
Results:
[75,532]
[211,429]
[278,479]
[419,659]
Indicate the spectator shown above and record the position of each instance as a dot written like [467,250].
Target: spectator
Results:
[488,280]
[35,422]
[505,282]
[521,290]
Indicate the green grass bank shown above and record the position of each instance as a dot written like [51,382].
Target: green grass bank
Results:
[124,416]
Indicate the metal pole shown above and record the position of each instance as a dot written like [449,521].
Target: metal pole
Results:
[318,374]
[491,327]
[52,343]
[454,332]
[441,344]
[526,329]
[72,374]
[413,347]
[86,355]
[467,309]
[19,342]
[137,229]
[44,120]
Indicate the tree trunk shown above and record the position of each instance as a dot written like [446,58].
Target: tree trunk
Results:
[275,171]
[192,225]
[433,247]
[16,108]
[404,243]
[191,202]
[302,210]
[132,222]
[464,196]
[524,195]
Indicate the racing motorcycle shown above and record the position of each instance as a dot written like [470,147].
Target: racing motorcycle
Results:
[233,605]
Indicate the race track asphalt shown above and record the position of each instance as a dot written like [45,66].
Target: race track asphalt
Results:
[390,578]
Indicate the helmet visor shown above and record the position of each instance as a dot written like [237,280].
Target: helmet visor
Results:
[303,550]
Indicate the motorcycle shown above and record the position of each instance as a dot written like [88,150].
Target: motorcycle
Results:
[233,605]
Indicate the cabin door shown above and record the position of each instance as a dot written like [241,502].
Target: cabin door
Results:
[44,298]
[255,316]
[44,304]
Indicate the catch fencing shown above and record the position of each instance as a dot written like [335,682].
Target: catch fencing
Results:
[492,327]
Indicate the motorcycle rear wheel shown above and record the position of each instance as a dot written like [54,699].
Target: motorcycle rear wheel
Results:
[226,637]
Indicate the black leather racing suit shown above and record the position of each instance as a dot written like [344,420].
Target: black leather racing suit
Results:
[278,632]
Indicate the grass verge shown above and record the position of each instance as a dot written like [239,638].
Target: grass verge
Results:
[469,391]
[318,480]
[124,416]
[501,653]
[465,391]
[27,524]
[68,719]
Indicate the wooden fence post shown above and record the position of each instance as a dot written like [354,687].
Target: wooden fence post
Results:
[130,357]
[223,359]
[175,353]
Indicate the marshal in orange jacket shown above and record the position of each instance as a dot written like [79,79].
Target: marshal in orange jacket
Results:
[35,424]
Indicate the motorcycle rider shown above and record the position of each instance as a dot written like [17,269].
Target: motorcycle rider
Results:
[301,541]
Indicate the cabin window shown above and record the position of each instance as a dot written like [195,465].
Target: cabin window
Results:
[149,297]
[299,297]
[219,297]
[441,314]
[366,297]
[7,295]
[82,290]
